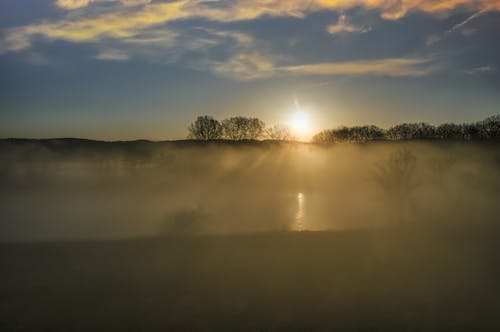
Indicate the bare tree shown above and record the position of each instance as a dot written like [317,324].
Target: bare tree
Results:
[255,128]
[449,131]
[205,128]
[409,131]
[242,128]
[396,176]
[490,127]
[358,134]
[279,132]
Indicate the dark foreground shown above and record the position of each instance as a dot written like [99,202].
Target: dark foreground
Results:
[383,280]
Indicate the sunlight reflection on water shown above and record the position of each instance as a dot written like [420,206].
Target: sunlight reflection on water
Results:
[300,214]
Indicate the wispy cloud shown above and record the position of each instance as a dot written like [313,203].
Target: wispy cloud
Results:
[466,21]
[76,4]
[125,22]
[461,26]
[115,25]
[343,26]
[125,29]
[392,67]
[245,67]
[481,70]
[432,39]
[113,55]
[134,2]
[255,65]
[72,4]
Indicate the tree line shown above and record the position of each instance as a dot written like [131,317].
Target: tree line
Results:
[487,129]
[247,128]
[236,128]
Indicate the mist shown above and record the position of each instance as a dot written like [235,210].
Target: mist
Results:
[76,189]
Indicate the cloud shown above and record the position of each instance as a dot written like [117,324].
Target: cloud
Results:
[119,25]
[342,26]
[481,70]
[392,67]
[461,26]
[72,4]
[157,37]
[255,65]
[125,22]
[246,67]
[468,31]
[395,9]
[123,25]
[131,3]
[75,4]
[466,21]
[113,55]
[432,39]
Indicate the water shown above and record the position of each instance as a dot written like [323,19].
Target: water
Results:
[299,224]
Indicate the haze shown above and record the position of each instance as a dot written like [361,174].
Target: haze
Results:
[61,190]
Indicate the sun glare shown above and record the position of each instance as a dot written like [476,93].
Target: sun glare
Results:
[300,123]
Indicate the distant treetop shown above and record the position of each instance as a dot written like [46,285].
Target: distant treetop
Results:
[247,128]
[488,129]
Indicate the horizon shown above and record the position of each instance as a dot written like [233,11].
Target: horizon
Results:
[495,118]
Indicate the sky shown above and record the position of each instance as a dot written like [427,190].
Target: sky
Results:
[145,69]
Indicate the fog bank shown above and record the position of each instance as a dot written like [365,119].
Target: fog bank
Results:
[76,189]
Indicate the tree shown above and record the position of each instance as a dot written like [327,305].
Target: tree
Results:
[490,127]
[396,176]
[279,132]
[471,131]
[449,131]
[324,136]
[408,131]
[242,128]
[358,134]
[362,134]
[205,128]
[255,128]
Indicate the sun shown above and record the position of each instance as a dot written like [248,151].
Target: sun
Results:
[300,122]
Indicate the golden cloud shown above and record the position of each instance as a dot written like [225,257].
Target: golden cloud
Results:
[392,67]
[395,9]
[72,4]
[342,26]
[75,4]
[246,66]
[254,65]
[113,25]
[128,21]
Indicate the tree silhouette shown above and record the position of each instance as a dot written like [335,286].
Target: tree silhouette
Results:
[279,132]
[357,134]
[450,131]
[396,176]
[241,128]
[205,128]
[244,128]
[409,131]
[256,128]
[489,128]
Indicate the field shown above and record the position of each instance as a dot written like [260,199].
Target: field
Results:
[144,236]
[379,280]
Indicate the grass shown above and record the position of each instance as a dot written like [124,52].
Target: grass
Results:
[405,279]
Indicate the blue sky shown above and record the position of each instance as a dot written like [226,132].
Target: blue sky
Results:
[126,69]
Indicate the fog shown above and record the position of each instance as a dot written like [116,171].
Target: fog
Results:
[75,189]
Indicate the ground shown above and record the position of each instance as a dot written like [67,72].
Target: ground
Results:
[398,279]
